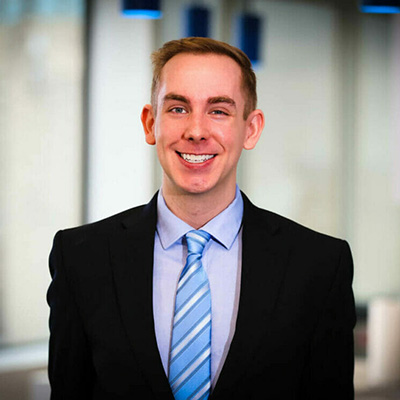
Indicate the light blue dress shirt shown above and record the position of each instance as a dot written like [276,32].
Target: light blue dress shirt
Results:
[222,261]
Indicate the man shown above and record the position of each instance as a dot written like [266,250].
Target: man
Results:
[199,294]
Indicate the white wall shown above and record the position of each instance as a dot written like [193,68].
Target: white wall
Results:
[40,162]
[120,164]
[377,204]
[295,168]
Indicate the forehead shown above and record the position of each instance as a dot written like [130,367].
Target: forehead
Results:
[201,72]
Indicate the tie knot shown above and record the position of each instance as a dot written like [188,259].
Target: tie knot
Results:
[196,241]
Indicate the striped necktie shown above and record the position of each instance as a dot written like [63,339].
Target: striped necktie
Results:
[190,353]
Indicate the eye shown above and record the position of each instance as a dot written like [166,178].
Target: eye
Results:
[218,112]
[177,110]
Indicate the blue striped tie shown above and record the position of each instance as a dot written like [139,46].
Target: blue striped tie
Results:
[190,353]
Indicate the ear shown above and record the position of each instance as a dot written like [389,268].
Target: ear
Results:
[254,126]
[148,120]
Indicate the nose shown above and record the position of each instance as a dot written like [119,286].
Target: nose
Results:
[196,129]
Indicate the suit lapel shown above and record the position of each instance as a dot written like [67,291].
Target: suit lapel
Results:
[264,260]
[132,260]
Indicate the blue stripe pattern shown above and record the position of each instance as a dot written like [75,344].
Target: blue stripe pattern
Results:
[190,353]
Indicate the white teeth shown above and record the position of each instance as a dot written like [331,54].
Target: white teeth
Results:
[193,158]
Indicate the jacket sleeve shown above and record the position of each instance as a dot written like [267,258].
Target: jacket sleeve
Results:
[329,374]
[70,367]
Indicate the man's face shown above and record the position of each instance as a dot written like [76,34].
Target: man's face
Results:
[199,130]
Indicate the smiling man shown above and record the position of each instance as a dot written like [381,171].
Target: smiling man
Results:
[199,294]
[199,126]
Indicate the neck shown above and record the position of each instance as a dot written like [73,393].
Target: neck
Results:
[196,209]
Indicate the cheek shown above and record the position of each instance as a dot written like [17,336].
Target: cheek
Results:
[233,140]
[168,132]
[224,134]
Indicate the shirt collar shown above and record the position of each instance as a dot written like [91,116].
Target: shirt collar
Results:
[224,227]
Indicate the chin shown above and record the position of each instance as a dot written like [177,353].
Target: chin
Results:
[196,187]
[195,190]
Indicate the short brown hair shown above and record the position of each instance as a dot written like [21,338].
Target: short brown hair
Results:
[200,45]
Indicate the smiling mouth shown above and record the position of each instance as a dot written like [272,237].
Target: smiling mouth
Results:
[196,158]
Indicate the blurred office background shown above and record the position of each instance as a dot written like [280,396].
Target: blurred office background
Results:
[74,76]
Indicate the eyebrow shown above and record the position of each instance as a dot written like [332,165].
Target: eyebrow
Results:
[222,99]
[211,100]
[176,97]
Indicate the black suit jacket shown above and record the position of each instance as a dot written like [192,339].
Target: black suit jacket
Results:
[293,337]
